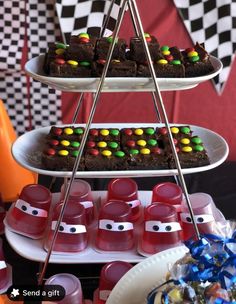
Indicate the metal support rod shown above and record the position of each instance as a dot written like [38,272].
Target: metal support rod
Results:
[162,107]
[77,108]
[138,34]
[83,141]
[104,26]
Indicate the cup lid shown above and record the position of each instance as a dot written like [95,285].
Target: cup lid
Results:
[74,212]
[167,192]
[36,195]
[160,212]
[112,272]
[201,203]
[116,210]
[122,188]
[79,189]
[71,284]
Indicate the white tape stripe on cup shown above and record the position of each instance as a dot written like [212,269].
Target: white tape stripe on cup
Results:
[104,294]
[3,265]
[199,218]
[115,226]
[21,205]
[72,229]
[134,203]
[87,204]
[157,226]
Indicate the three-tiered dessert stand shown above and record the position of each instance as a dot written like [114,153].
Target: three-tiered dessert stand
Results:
[26,149]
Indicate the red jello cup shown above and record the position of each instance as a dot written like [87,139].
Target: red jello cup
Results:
[115,229]
[125,189]
[4,276]
[169,193]
[110,274]
[72,234]
[71,285]
[80,192]
[29,215]
[202,206]
[161,228]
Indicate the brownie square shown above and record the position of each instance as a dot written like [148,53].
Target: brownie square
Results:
[137,52]
[132,135]
[103,45]
[110,134]
[71,133]
[116,68]
[169,64]
[105,160]
[70,69]
[197,61]
[81,47]
[56,51]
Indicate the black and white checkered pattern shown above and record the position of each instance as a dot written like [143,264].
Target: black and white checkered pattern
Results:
[214,23]
[13,92]
[76,16]
[12,31]
[46,105]
[43,28]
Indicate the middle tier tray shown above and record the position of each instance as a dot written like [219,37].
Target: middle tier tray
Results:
[27,151]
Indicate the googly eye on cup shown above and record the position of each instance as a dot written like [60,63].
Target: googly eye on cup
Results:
[115,230]
[72,235]
[29,214]
[204,211]
[110,274]
[161,229]
[126,190]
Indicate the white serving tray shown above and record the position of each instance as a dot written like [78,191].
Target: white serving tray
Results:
[26,150]
[33,249]
[135,285]
[34,68]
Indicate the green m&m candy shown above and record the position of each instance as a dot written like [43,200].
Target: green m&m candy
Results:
[196,140]
[198,148]
[119,154]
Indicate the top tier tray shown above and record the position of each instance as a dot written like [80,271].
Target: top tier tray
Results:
[116,84]
[27,150]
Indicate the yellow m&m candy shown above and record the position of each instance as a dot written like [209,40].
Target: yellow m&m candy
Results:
[106,153]
[104,132]
[68,131]
[63,152]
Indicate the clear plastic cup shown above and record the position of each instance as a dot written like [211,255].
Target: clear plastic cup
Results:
[80,192]
[110,274]
[203,210]
[72,234]
[72,286]
[29,215]
[2,215]
[125,189]
[169,193]
[161,229]
[4,274]
[115,229]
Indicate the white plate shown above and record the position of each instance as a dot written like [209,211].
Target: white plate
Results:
[135,285]
[26,150]
[34,68]
[33,249]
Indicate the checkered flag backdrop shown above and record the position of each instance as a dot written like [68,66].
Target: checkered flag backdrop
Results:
[12,31]
[43,28]
[76,16]
[214,23]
